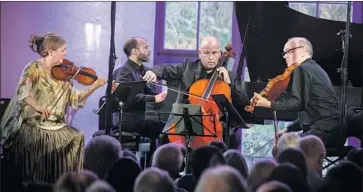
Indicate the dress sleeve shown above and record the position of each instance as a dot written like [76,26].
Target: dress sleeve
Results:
[29,75]
[74,101]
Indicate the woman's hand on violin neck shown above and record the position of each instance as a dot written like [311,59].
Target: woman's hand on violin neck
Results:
[260,101]
[224,73]
[99,83]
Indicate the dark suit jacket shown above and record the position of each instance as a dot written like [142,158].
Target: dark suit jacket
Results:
[185,74]
[130,72]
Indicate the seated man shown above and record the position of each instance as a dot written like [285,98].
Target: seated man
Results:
[311,93]
[189,72]
[137,52]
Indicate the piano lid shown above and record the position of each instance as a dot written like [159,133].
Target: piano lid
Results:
[272,23]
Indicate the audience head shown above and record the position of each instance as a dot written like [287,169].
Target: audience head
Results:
[221,178]
[122,174]
[259,173]
[100,186]
[314,152]
[235,159]
[100,153]
[355,156]
[287,140]
[346,176]
[203,158]
[296,157]
[137,49]
[75,181]
[274,186]
[297,50]
[220,145]
[290,175]
[154,180]
[129,154]
[169,158]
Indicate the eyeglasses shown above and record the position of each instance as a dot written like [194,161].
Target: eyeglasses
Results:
[290,50]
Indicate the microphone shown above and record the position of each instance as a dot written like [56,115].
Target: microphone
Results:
[120,104]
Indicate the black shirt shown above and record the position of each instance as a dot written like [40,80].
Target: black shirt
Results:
[311,93]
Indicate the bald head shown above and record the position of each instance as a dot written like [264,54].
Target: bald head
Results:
[209,52]
[314,152]
[137,49]
[297,50]
[209,41]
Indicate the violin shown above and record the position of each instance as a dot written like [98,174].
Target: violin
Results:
[67,71]
[200,94]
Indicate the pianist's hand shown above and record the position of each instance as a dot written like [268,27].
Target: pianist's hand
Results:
[160,97]
[149,77]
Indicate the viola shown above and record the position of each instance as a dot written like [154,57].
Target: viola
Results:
[67,71]
[200,94]
[274,88]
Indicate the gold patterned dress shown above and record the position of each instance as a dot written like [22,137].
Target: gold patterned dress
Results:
[41,150]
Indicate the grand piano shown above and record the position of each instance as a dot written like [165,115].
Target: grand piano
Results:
[270,24]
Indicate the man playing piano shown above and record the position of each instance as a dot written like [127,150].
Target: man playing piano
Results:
[311,93]
[189,72]
[138,52]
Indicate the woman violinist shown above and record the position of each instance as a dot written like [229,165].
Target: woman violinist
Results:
[187,75]
[34,135]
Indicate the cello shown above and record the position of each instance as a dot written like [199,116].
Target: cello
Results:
[200,94]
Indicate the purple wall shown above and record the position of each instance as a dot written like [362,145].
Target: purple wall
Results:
[357,18]
[88,44]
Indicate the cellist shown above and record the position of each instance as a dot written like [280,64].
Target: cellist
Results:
[34,135]
[188,73]
[310,93]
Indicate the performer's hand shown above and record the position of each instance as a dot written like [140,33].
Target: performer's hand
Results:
[114,86]
[281,132]
[45,112]
[149,77]
[160,97]
[224,73]
[99,82]
[260,101]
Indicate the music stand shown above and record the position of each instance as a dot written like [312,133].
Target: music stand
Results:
[230,116]
[124,94]
[188,123]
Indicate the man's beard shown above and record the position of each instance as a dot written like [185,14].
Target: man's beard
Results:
[143,58]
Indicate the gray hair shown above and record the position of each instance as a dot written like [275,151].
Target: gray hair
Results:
[221,178]
[302,41]
[287,140]
[100,153]
[168,157]
[311,145]
[153,180]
